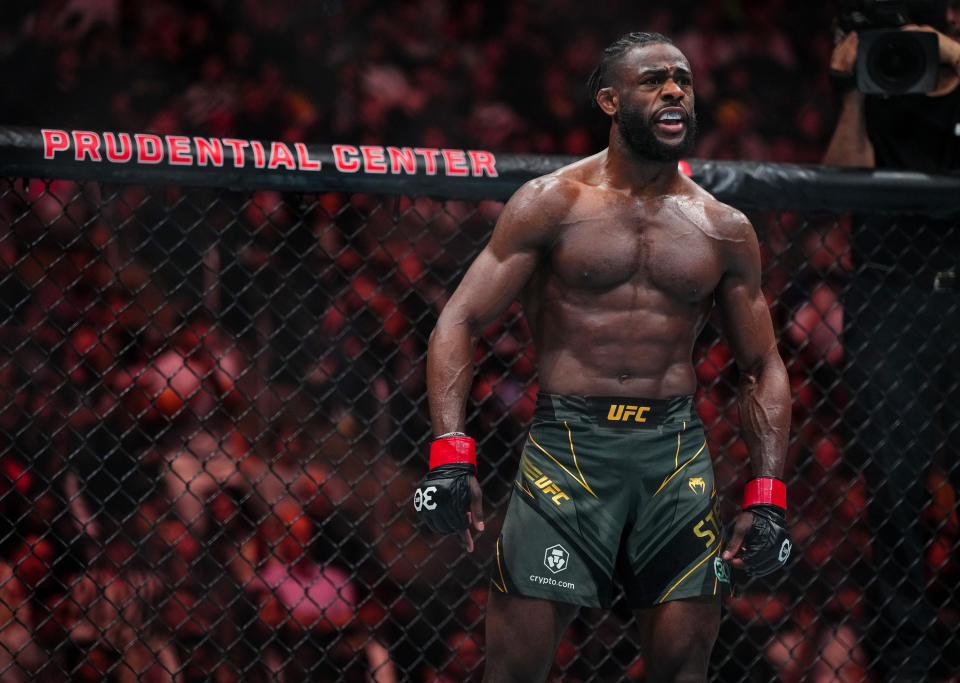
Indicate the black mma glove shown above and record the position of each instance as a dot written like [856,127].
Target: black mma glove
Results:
[766,546]
[443,499]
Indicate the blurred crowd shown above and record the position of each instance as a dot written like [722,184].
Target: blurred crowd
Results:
[213,407]
[504,76]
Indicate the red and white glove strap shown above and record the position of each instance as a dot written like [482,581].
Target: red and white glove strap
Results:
[453,449]
[769,490]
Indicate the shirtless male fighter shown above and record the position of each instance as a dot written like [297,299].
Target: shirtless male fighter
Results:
[618,260]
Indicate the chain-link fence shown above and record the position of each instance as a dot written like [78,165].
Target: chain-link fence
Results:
[214,417]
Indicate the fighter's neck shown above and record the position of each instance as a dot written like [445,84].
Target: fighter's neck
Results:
[623,169]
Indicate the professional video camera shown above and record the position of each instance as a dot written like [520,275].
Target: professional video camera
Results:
[891,61]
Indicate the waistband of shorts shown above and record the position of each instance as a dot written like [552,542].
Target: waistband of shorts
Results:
[625,412]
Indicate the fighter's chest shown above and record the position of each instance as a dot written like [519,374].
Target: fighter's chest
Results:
[674,257]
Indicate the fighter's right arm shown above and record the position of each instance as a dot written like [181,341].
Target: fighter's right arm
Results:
[525,229]
[850,144]
[450,499]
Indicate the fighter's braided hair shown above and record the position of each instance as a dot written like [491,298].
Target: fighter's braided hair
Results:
[612,54]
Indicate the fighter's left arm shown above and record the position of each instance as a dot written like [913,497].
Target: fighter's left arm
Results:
[759,541]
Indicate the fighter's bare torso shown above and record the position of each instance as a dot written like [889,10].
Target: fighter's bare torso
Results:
[624,282]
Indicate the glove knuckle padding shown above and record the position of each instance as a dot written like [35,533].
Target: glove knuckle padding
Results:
[766,546]
[443,499]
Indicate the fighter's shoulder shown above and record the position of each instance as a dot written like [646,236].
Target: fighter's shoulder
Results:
[724,222]
[547,199]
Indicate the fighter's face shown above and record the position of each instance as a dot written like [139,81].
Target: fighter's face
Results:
[655,110]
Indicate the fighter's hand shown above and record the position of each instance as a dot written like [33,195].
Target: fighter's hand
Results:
[475,516]
[844,55]
[760,540]
[734,545]
[449,499]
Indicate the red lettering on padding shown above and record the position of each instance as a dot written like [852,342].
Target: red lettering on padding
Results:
[374,160]
[482,162]
[455,162]
[340,153]
[259,154]
[179,147]
[429,155]
[209,151]
[121,155]
[54,141]
[402,158]
[237,147]
[86,142]
[280,155]
[306,163]
[155,153]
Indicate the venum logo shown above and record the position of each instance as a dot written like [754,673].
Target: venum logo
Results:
[697,485]
[556,558]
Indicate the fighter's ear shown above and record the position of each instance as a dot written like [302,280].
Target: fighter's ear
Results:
[608,99]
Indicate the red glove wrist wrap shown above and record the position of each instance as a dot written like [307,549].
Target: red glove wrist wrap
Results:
[765,490]
[453,449]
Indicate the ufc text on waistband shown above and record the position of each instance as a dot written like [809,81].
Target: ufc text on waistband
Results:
[625,412]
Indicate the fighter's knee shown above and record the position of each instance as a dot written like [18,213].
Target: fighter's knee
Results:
[678,665]
[679,660]
[508,661]
[522,636]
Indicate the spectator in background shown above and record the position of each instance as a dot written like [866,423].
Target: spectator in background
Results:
[902,315]
[207,68]
[734,136]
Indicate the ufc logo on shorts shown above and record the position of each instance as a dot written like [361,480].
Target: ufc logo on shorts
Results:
[621,413]
[423,499]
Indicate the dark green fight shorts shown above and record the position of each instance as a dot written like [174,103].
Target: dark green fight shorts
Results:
[612,487]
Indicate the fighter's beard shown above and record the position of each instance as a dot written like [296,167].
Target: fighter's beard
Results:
[637,132]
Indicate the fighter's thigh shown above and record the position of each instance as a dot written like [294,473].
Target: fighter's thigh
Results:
[677,638]
[522,637]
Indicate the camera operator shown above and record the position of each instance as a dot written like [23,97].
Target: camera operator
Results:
[868,132]
[901,330]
